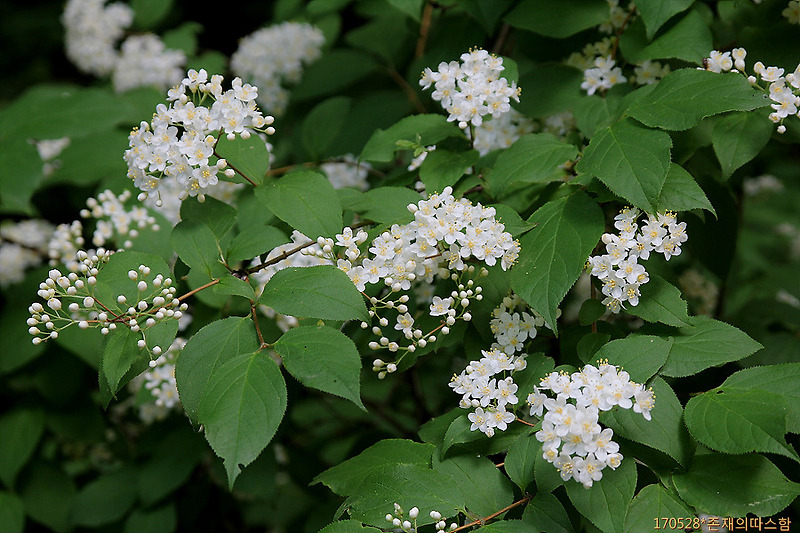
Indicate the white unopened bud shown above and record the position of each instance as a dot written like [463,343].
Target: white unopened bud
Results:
[141,343]
[413,513]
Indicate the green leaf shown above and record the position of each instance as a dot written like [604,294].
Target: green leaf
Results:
[20,174]
[323,124]
[254,242]
[511,220]
[346,478]
[661,302]
[431,129]
[631,160]
[442,168]
[241,408]
[205,352]
[459,432]
[779,379]
[196,246]
[160,520]
[231,285]
[48,495]
[547,477]
[333,72]
[591,311]
[306,201]
[738,138]
[538,366]
[562,92]
[388,205]
[606,502]
[554,253]
[12,513]
[654,502]
[682,193]
[102,148]
[121,358]
[546,17]
[175,458]
[593,113]
[382,36]
[655,14]
[184,37]
[521,458]
[533,158]
[348,526]
[409,485]
[106,499]
[664,432]
[26,426]
[321,291]
[248,157]
[113,280]
[706,343]
[323,358]
[148,13]
[684,97]
[485,488]
[545,513]
[215,214]
[735,485]
[740,420]
[507,526]
[412,8]
[690,40]
[639,355]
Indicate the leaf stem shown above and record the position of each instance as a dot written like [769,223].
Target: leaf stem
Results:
[278,259]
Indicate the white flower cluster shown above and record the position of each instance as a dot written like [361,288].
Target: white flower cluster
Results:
[275,54]
[409,524]
[785,98]
[602,76]
[700,290]
[92,31]
[114,222]
[347,171]
[160,379]
[572,439]
[145,61]
[792,12]
[48,150]
[487,394]
[502,131]
[71,299]
[472,89]
[619,268]
[417,160]
[766,183]
[180,142]
[511,328]
[23,245]
[168,202]
[64,245]
[649,72]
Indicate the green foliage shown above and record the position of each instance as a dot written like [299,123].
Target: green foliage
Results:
[534,158]
[306,201]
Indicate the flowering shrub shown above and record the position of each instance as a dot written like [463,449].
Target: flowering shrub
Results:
[500,266]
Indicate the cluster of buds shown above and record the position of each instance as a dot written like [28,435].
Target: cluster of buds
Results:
[72,299]
[114,221]
[408,523]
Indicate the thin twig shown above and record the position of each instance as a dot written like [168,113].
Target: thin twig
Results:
[424,27]
[253,183]
[526,423]
[198,289]
[482,521]
[409,92]
[281,257]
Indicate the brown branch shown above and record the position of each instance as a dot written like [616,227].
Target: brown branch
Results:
[424,27]
[258,329]
[198,289]
[526,423]
[501,38]
[253,183]
[281,257]
[409,92]
[482,521]
[284,170]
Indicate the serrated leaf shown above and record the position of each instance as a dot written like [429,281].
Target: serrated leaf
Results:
[26,426]
[684,97]
[348,526]
[485,488]
[664,432]
[121,355]
[690,40]
[735,485]
[630,160]
[241,408]
[553,254]
[205,352]
[545,474]
[346,478]
[113,280]
[160,520]
[545,513]
[661,302]
[738,138]
[593,113]
[321,291]
[322,125]
[682,193]
[511,220]
[105,499]
[443,167]
[655,14]
[605,504]
[706,343]
[387,205]
[562,91]
[533,158]
[459,432]
[736,420]
[409,485]
[546,17]
[781,379]
[233,286]
[248,157]
[639,355]
[306,201]
[507,526]
[431,129]
[654,502]
[322,358]
[520,460]
[334,71]
[148,13]
[255,241]
[216,214]
[196,246]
